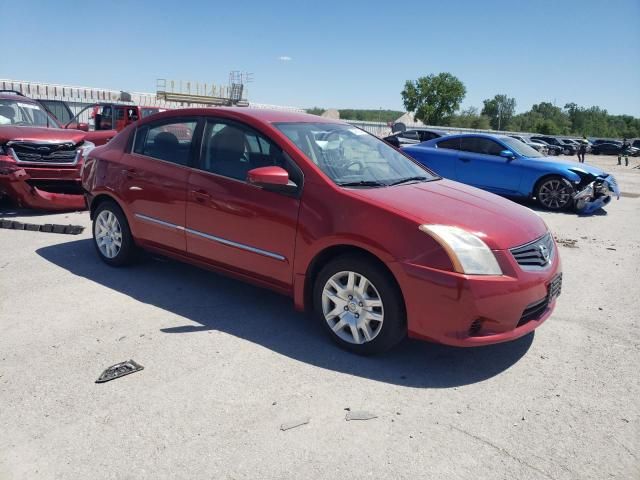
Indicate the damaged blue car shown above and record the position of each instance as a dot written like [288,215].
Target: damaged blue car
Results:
[506,166]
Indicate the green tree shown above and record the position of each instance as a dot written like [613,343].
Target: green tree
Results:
[470,118]
[433,98]
[500,109]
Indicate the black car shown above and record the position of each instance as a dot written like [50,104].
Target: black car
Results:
[566,148]
[413,136]
[535,145]
[613,147]
[551,149]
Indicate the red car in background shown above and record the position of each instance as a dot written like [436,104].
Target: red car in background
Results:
[376,245]
[40,162]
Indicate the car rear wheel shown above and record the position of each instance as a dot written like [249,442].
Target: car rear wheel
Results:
[359,305]
[112,236]
[555,193]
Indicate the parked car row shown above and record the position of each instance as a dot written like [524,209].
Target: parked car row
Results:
[378,242]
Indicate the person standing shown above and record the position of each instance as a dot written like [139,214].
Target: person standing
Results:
[624,152]
[582,149]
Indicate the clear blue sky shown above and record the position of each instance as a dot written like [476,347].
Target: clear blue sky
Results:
[341,53]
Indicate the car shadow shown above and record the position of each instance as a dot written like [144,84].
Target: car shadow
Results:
[213,302]
[535,206]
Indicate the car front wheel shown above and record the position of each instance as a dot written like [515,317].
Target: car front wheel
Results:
[555,193]
[359,305]
[111,235]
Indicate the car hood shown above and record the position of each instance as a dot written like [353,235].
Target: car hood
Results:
[499,222]
[583,167]
[40,134]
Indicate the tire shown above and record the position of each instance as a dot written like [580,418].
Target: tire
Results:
[561,199]
[371,308]
[110,225]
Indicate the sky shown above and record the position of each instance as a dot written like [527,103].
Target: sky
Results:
[335,54]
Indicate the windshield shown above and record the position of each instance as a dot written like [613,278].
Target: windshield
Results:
[352,157]
[521,148]
[16,112]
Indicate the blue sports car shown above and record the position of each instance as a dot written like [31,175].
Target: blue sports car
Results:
[509,167]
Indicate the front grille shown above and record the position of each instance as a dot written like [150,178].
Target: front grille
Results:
[45,153]
[534,311]
[535,255]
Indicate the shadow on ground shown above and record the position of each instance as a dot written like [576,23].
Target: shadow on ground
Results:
[213,302]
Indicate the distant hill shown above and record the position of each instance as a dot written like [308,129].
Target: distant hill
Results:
[361,114]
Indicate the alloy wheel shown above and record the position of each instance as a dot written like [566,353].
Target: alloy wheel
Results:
[554,194]
[352,307]
[108,234]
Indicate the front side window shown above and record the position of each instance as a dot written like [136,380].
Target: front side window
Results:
[352,157]
[231,150]
[170,142]
[484,146]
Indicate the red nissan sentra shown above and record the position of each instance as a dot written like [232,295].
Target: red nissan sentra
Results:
[373,243]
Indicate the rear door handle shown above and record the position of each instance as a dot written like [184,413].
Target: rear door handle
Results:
[129,172]
[465,160]
[201,195]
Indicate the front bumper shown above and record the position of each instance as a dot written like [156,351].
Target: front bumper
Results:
[17,185]
[596,195]
[472,310]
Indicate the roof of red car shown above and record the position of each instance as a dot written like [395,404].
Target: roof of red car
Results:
[261,114]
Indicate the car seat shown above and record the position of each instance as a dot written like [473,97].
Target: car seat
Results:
[226,154]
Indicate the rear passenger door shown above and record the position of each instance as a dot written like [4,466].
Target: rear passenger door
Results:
[481,165]
[154,180]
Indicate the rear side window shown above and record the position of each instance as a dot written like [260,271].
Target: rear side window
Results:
[170,142]
[424,136]
[450,143]
[411,135]
[484,146]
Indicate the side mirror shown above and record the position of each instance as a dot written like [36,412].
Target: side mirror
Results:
[78,126]
[508,154]
[271,178]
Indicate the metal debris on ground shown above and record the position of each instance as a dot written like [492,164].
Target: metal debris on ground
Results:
[359,415]
[119,370]
[567,242]
[294,424]
[47,227]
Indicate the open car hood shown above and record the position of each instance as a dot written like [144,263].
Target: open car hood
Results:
[40,134]
[501,223]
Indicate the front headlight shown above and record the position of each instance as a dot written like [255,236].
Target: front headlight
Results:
[86,148]
[468,253]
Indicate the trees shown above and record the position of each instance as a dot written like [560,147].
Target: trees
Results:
[469,118]
[500,109]
[433,98]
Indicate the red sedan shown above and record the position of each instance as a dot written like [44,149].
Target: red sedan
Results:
[376,245]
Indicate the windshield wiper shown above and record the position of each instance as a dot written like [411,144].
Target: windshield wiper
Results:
[363,183]
[409,179]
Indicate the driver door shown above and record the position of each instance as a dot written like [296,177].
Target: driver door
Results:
[231,223]
[480,164]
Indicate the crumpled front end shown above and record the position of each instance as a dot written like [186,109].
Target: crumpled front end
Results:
[596,195]
[43,175]
[15,183]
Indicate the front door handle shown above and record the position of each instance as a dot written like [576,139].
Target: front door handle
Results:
[465,160]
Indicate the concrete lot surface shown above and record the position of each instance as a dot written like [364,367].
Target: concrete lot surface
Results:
[226,364]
